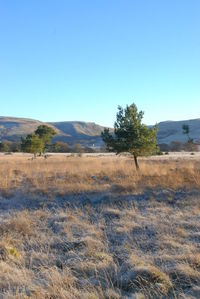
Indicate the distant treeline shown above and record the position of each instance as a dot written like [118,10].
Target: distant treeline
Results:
[63,147]
[57,147]
[177,146]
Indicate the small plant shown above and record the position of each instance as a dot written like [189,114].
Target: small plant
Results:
[13,251]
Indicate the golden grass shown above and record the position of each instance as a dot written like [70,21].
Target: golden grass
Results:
[64,175]
[139,238]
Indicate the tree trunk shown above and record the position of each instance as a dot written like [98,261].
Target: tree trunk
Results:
[136,163]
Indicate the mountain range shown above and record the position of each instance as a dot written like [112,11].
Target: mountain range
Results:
[87,133]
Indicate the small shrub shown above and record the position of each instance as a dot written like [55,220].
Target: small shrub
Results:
[13,251]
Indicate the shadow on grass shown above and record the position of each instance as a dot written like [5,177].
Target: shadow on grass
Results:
[33,201]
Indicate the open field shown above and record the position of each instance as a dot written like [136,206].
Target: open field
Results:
[65,174]
[92,227]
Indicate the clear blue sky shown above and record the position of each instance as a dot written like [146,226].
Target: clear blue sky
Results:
[80,59]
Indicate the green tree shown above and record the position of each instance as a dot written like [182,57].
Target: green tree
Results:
[186,131]
[32,143]
[4,147]
[38,141]
[130,135]
[45,133]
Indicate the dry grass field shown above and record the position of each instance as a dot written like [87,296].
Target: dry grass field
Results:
[92,227]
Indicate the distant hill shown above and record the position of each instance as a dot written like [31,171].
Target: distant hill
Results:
[12,129]
[86,133]
[169,131]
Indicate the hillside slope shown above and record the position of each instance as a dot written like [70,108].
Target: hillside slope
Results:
[79,132]
[172,130]
[12,129]
[86,133]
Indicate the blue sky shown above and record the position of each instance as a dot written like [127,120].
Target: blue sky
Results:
[80,59]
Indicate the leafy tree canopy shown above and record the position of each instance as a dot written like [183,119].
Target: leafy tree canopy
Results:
[38,141]
[186,131]
[130,134]
[32,144]
[4,147]
[45,133]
